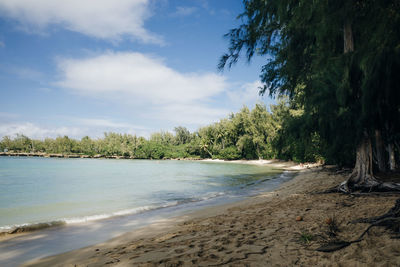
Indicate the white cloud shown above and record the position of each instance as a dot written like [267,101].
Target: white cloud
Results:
[184,11]
[79,128]
[95,127]
[190,115]
[105,19]
[103,123]
[137,77]
[247,94]
[2,44]
[146,85]
[108,124]
[153,92]
[34,131]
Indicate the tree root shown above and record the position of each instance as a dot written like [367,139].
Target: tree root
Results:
[333,246]
[382,187]
[394,212]
[390,220]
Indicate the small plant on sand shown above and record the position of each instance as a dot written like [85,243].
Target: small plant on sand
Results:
[306,238]
[332,226]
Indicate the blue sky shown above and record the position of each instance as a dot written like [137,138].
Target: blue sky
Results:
[81,68]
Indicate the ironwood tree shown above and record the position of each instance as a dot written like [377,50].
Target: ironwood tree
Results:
[339,60]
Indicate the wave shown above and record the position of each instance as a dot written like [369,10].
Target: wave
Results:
[168,202]
[31,227]
[21,228]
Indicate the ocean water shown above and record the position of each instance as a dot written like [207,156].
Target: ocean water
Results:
[73,191]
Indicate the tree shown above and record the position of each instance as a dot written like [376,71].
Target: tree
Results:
[5,143]
[63,144]
[207,140]
[260,119]
[339,59]
[182,135]
[87,146]
[22,143]
[164,138]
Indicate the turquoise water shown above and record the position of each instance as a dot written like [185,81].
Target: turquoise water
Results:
[45,190]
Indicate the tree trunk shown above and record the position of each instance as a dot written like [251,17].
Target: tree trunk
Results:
[363,169]
[208,151]
[379,151]
[392,159]
[362,172]
[362,176]
[348,37]
[258,151]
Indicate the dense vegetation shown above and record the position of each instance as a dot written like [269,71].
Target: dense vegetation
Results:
[340,61]
[247,134]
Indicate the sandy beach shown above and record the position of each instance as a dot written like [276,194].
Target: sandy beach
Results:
[279,228]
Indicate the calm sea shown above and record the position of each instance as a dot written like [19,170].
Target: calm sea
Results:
[48,190]
[99,199]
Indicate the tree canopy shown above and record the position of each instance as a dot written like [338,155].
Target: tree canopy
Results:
[339,61]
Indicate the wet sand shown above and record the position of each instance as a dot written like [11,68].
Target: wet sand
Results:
[261,231]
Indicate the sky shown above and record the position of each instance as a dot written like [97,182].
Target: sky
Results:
[82,68]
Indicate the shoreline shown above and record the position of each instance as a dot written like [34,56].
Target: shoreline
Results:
[77,156]
[286,165]
[275,163]
[24,229]
[112,225]
[258,231]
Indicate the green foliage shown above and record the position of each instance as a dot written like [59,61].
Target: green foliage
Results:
[346,94]
[182,135]
[21,143]
[248,134]
[306,238]
[229,153]
[293,138]
[5,143]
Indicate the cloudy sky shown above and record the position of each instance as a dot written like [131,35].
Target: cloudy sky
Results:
[81,68]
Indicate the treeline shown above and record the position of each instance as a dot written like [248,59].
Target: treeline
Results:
[247,134]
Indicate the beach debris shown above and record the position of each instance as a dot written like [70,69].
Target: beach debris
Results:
[299,218]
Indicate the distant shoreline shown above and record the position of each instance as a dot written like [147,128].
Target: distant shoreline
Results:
[286,165]
[73,156]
